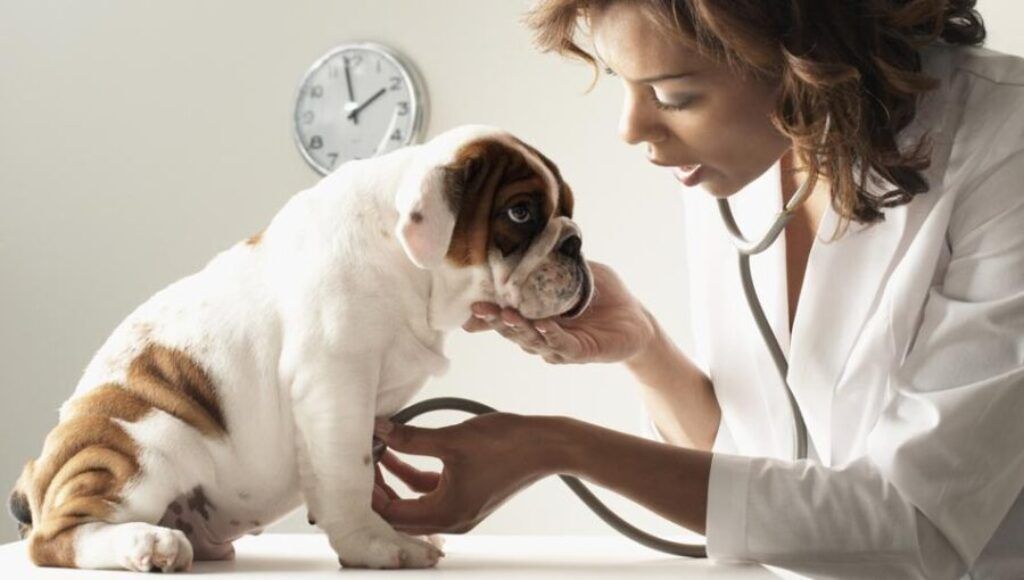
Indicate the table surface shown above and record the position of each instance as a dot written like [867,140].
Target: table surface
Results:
[308,556]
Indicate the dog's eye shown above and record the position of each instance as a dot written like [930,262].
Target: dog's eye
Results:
[520,213]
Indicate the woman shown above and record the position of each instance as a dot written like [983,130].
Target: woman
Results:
[905,344]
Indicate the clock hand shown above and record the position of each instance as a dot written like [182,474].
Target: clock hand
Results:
[362,106]
[348,81]
[348,85]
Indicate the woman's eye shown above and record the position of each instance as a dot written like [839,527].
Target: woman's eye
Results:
[519,213]
[677,104]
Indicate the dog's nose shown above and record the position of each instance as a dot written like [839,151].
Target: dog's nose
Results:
[571,246]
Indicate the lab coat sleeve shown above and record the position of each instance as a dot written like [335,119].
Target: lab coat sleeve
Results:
[944,462]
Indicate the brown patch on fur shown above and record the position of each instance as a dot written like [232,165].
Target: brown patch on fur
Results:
[163,379]
[255,238]
[110,400]
[85,463]
[485,179]
[171,381]
[88,458]
[58,551]
[566,200]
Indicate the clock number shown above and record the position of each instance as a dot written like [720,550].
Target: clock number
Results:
[316,142]
[307,117]
[396,83]
[316,92]
[334,158]
[403,108]
[355,60]
[397,135]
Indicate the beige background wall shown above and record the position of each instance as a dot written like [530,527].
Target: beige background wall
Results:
[139,138]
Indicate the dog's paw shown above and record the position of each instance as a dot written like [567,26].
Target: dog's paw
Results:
[144,548]
[436,540]
[379,546]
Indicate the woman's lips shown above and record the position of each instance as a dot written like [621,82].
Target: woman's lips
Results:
[689,175]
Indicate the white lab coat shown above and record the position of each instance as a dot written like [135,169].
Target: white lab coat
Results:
[906,358]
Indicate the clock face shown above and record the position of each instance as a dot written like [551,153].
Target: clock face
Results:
[356,102]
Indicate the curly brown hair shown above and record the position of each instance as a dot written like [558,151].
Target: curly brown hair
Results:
[855,61]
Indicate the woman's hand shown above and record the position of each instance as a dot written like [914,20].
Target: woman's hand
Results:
[615,326]
[487,460]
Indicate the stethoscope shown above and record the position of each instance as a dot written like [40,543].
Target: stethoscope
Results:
[745,249]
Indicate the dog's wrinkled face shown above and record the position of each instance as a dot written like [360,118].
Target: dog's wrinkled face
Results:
[515,214]
[510,213]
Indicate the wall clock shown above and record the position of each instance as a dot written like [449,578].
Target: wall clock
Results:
[358,101]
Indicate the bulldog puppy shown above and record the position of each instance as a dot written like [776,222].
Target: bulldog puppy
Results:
[242,391]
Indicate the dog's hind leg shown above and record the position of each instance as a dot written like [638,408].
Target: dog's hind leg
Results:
[76,514]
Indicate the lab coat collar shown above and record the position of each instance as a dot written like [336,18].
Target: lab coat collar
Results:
[843,283]
[845,278]
[841,287]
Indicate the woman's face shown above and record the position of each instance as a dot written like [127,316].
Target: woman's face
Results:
[697,116]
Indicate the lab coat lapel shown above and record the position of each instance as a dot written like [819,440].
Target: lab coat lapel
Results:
[842,285]
[845,278]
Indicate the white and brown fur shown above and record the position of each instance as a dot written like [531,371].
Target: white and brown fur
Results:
[238,393]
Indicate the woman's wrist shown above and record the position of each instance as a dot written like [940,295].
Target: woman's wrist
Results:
[553,443]
[679,396]
[654,354]
[669,480]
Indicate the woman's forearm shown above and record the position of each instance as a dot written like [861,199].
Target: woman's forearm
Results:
[670,481]
[678,395]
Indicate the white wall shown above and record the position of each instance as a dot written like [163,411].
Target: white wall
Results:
[139,138]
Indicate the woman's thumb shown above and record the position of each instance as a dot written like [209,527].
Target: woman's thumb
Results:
[407,439]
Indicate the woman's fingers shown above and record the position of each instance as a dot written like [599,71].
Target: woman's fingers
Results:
[557,339]
[485,311]
[383,494]
[381,484]
[508,323]
[417,480]
[541,337]
[555,358]
[412,440]
[521,330]
[419,516]
[475,324]
[424,530]
[484,317]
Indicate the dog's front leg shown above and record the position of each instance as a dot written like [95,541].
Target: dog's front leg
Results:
[334,406]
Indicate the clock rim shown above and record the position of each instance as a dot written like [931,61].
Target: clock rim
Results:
[410,75]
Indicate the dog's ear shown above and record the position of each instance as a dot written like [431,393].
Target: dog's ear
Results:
[430,201]
[426,216]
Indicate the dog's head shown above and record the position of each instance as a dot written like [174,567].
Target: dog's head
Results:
[481,198]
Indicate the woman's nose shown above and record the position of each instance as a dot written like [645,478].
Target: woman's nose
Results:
[638,123]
